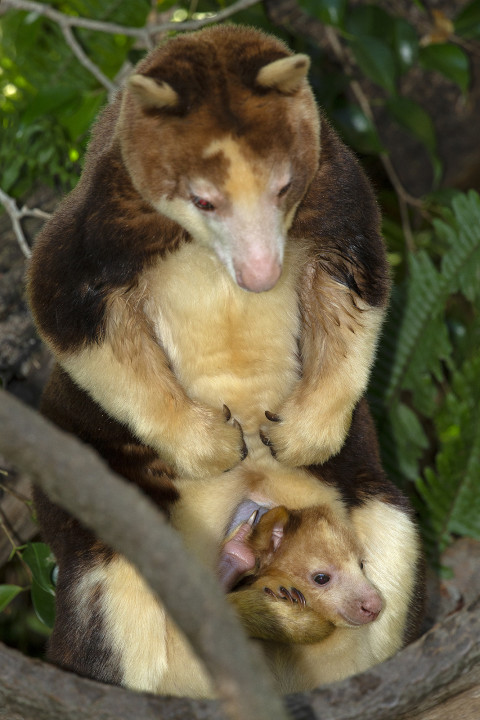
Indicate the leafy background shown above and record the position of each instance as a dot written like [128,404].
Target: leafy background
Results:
[425,388]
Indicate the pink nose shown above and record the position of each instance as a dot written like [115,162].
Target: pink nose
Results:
[370,610]
[369,607]
[258,277]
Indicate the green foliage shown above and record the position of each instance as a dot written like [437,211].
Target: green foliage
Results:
[450,491]
[7,594]
[384,48]
[41,562]
[425,390]
[450,60]
[48,100]
[38,558]
[467,22]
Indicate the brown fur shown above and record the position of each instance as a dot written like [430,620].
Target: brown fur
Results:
[89,280]
[142,297]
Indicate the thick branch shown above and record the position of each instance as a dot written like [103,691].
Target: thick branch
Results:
[75,478]
[441,670]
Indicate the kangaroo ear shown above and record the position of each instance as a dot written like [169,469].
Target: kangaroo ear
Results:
[286,75]
[268,533]
[152,94]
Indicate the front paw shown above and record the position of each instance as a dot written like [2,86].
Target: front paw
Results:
[292,596]
[211,442]
[300,436]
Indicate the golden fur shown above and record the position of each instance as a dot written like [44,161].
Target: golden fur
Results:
[155,657]
[221,248]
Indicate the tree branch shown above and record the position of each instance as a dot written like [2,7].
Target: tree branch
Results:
[193,598]
[16,215]
[435,673]
[84,60]
[142,34]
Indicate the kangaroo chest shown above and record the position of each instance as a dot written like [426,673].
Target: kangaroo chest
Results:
[225,345]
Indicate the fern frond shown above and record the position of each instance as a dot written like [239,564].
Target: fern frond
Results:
[415,340]
[415,349]
[451,492]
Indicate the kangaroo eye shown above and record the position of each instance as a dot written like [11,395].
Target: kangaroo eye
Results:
[284,190]
[321,579]
[202,204]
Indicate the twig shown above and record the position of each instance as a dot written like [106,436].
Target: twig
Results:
[84,60]
[196,24]
[14,545]
[69,20]
[107,27]
[17,495]
[16,215]
[144,34]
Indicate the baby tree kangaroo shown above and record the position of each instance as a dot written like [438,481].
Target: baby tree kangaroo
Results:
[297,575]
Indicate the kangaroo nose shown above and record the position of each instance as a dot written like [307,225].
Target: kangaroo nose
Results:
[371,606]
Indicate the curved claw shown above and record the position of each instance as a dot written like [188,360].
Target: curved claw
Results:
[244,450]
[266,441]
[273,417]
[267,591]
[298,597]
[226,412]
[285,595]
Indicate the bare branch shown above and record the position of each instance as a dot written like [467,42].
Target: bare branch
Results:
[83,58]
[16,215]
[142,34]
[145,34]
[196,24]
[75,478]
[438,676]
[69,20]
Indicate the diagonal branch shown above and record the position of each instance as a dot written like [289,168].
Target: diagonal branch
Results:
[194,599]
[84,60]
[16,215]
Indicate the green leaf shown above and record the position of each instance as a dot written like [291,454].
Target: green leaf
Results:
[78,120]
[449,60]
[467,22]
[357,129]
[370,20]
[49,100]
[330,12]
[43,604]
[375,60]
[7,594]
[41,562]
[11,173]
[417,121]
[405,44]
